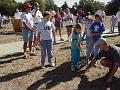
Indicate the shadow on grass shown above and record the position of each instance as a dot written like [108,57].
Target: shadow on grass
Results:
[3,32]
[65,48]
[118,45]
[109,33]
[98,84]
[107,36]
[18,74]
[52,78]
[12,57]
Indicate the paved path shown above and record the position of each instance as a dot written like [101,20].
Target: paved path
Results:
[16,47]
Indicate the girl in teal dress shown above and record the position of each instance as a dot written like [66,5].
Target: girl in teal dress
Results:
[75,47]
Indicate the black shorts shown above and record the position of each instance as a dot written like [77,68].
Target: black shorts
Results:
[70,26]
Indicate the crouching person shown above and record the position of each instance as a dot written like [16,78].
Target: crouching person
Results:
[110,57]
[46,30]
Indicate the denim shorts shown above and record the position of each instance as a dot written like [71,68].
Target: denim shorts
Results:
[27,35]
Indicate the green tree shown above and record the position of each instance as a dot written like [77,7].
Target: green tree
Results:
[50,4]
[87,5]
[7,7]
[64,6]
[74,8]
[112,7]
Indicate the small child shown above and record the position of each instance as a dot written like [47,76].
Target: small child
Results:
[96,30]
[46,31]
[75,47]
[88,22]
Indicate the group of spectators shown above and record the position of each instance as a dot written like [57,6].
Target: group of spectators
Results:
[40,30]
[4,20]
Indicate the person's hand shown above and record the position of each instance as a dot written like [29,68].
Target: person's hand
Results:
[109,80]
[81,72]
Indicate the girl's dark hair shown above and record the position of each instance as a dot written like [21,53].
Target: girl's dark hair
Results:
[97,15]
[78,26]
[46,13]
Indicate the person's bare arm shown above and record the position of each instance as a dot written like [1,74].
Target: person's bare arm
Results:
[114,69]
[90,65]
[87,67]
[54,37]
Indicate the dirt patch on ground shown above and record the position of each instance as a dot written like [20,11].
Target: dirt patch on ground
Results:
[21,74]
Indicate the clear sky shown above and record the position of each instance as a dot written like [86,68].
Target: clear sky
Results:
[20,1]
[71,2]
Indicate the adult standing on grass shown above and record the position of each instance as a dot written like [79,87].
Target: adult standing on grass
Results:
[46,29]
[118,19]
[113,23]
[109,56]
[58,20]
[80,15]
[69,22]
[27,28]
[37,17]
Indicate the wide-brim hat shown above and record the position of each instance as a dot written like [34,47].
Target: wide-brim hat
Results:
[27,5]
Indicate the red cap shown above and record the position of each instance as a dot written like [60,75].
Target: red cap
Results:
[27,5]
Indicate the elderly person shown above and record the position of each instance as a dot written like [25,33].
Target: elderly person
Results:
[109,56]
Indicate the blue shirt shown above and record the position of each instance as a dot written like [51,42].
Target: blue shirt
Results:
[76,38]
[97,27]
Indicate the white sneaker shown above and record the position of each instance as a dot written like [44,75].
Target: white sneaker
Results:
[32,53]
[72,68]
[25,55]
[37,47]
[42,66]
[52,64]
[96,64]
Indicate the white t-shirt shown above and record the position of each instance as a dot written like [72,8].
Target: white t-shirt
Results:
[118,16]
[27,18]
[69,19]
[17,15]
[45,29]
[38,16]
